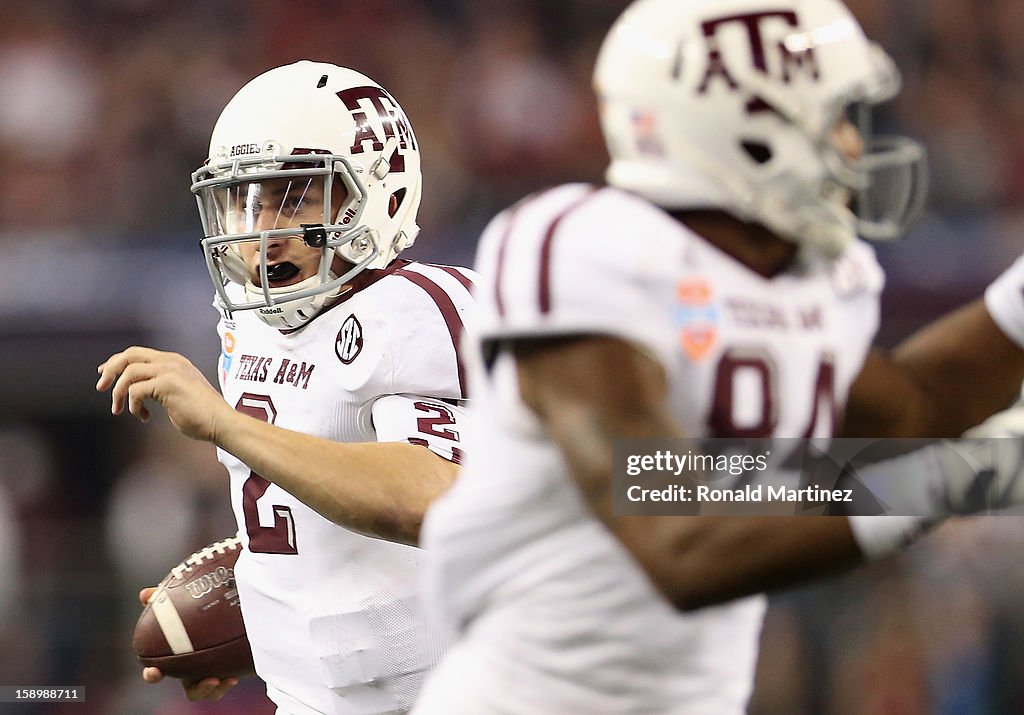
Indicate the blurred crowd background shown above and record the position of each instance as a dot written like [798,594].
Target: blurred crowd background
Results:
[105,109]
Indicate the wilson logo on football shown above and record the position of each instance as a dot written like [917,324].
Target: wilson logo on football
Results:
[349,342]
[207,582]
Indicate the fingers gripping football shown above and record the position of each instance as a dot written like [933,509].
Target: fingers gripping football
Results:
[191,627]
[140,374]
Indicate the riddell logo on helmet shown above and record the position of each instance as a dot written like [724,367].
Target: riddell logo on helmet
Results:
[795,50]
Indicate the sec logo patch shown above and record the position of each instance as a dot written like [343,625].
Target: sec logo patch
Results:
[349,342]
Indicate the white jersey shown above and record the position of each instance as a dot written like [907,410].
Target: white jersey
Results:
[550,613]
[332,615]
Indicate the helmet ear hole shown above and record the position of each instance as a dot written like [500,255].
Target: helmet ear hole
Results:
[760,152]
[395,202]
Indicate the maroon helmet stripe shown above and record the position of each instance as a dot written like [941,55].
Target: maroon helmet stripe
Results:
[545,251]
[448,311]
[457,275]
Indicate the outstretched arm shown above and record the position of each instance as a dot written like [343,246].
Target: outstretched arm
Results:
[945,379]
[591,391]
[379,488]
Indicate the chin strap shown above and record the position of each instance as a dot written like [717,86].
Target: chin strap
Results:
[291,314]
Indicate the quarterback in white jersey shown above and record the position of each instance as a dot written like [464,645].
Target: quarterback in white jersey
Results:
[716,288]
[333,615]
[342,382]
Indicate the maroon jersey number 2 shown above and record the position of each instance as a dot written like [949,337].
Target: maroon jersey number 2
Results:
[279,538]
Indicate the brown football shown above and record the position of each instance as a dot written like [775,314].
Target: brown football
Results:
[192,626]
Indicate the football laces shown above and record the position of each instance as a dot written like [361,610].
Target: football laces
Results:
[205,554]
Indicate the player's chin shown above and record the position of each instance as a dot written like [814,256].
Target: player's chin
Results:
[284,284]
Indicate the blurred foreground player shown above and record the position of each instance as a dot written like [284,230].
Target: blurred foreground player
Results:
[341,381]
[717,288]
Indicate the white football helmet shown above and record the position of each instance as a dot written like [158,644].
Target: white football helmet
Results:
[731,105]
[306,130]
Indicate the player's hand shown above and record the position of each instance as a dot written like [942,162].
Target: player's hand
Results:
[138,374]
[211,689]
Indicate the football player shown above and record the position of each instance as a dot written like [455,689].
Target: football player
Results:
[717,287]
[341,384]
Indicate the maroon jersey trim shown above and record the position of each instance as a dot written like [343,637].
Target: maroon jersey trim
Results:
[456,457]
[451,316]
[458,275]
[499,269]
[362,281]
[544,291]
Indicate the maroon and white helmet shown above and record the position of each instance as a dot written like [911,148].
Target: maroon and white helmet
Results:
[303,123]
[729,104]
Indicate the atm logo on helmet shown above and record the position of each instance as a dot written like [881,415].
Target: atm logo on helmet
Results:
[795,49]
[392,122]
